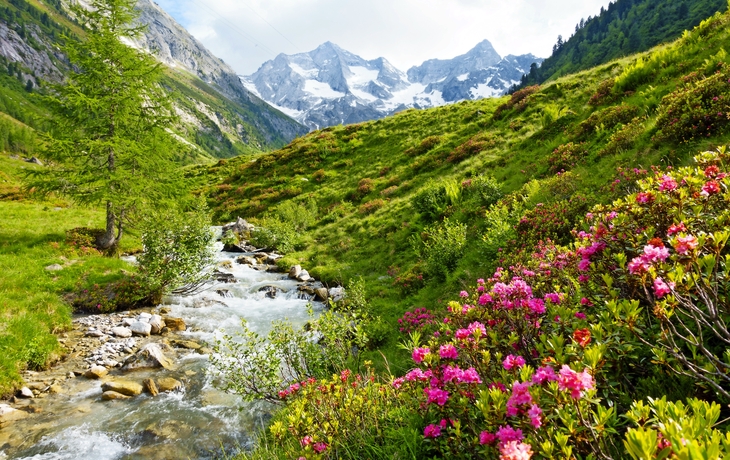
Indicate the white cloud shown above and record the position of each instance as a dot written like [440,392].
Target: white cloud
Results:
[246,33]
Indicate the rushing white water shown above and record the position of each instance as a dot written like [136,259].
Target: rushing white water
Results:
[198,422]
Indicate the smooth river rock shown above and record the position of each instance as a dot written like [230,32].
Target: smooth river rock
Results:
[151,387]
[124,387]
[175,324]
[151,355]
[295,271]
[113,395]
[25,392]
[140,328]
[157,323]
[96,372]
[169,384]
[122,332]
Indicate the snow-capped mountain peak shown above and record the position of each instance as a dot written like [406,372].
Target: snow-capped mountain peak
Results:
[330,85]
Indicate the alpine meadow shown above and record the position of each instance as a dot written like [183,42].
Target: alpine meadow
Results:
[189,272]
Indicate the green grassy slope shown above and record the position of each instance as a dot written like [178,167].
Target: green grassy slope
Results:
[553,152]
[624,28]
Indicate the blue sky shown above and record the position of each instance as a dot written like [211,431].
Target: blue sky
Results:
[246,33]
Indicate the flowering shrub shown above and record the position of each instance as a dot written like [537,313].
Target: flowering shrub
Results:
[552,221]
[604,93]
[371,206]
[83,239]
[425,146]
[125,294]
[419,319]
[502,379]
[697,109]
[566,156]
[658,259]
[519,100]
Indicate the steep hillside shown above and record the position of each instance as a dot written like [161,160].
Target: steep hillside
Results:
[408,202]
[624,28]
[218,117]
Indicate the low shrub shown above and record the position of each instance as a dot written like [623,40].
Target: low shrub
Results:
[608,118]
[697,109]
[519,101]
[371,206]
[425,146]
[440,247]
[275,234]
[431,201]
[624,138]
[482,190]
[128,293]
[604,93]
[471,147]
[566,156]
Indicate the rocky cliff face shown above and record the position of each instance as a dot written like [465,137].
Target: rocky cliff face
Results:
[174,46]
[330,86]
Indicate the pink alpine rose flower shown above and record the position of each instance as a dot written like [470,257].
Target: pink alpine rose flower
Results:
[512,361]
[685,244]
[448,351]
[514,450]
[432,431]
[661,288]
[420,353]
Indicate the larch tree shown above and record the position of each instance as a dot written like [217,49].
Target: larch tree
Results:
[110,145]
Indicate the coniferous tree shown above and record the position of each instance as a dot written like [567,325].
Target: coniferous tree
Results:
[110,146]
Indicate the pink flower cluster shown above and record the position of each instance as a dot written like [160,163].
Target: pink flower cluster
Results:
[453,374]
[514,450]
[574,382]
[475,330]
[667,184]
[436,395]
[651,255]
[685,244]
[512,361]
[448,351]
[520,397]
[662,288]
[295,387]
[420,353]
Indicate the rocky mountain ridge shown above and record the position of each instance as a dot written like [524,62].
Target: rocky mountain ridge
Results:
[330,85]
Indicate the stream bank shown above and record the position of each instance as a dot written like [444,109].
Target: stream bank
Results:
[100,402]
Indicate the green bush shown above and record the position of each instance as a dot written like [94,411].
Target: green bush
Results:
[177,249]
[624,138]
[441,246]
[300,215]
[275,233]
[697,109]
[566,156]
[482,190]
[608,118]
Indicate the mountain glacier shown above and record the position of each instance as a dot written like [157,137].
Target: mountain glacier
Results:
[331,86]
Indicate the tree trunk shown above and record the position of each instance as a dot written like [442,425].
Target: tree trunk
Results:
[107,240]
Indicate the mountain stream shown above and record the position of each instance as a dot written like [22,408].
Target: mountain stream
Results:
[196,422]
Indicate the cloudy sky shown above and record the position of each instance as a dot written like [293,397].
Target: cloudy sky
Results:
[246,33]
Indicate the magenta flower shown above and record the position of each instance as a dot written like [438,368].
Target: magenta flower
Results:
[667,184]
[535,414]
[644,198]
[506,434]
[420,353]
[514,450]
[553,297]
[710,188]
[436,395]
[584,265]
[512,361]
[305,441]
[580,315]
[575,382]
[484,299]
[448,351]
[544,374]
[418,374]
[520,396]
[470,376]
[485,437]
[661,288]
[319,447]
[537,306]
[397,383]
[463,294]
[676,228]
[432,431]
